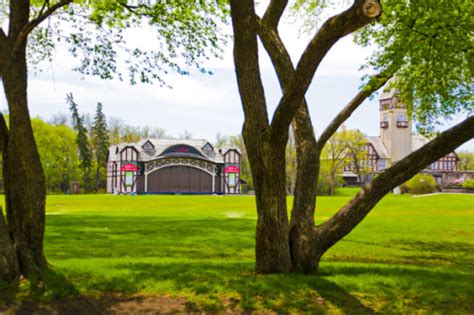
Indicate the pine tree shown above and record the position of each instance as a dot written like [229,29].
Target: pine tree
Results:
[85,153]
[100,141]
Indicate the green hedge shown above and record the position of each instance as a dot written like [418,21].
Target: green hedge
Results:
[469,184]
[419,184]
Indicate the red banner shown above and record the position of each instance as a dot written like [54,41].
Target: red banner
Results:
[129,167]
[231,169]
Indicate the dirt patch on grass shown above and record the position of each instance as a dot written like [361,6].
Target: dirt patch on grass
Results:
[112,305]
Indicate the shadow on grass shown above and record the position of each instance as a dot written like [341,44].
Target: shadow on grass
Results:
[212,285]
[210,262]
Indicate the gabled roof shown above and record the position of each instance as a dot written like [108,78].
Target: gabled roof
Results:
[160,145]
[379,147]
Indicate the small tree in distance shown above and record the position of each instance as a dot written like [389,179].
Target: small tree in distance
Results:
[100,141]
[82,140]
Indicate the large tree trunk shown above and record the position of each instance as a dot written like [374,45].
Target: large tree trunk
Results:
[304,204]
[9,269]
[272,244]
[266,154]
[266,142]
[23,174]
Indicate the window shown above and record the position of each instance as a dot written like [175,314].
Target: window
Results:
[208,147]
[381,164]
[385,117]
[148,147]
[232,180]
[401,117]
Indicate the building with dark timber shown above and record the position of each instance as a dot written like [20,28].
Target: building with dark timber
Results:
[163,166]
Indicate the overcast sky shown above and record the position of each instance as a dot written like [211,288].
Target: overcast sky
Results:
[206,104]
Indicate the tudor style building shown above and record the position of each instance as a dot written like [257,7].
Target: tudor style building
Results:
[397,141]
[161,166]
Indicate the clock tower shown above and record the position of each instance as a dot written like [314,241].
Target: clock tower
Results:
[395,127]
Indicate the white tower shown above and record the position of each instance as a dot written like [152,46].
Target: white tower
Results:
[395,127]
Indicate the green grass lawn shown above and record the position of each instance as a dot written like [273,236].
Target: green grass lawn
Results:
[410,254]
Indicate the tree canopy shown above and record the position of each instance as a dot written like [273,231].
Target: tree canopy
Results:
[426,45]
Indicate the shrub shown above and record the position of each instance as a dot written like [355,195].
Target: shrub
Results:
[468,184]
[419,184]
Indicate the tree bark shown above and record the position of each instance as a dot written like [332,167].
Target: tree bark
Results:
[304,258]
[9,269]
[266,157]
[266,142]
[23,174]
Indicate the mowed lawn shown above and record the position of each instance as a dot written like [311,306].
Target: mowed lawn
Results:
[410,254]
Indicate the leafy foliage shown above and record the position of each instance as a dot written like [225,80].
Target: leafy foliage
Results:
[469,184]
[466,161]
[428,45]
[187,33]
[58,152]
[419,184]
[335,155]
[356,148]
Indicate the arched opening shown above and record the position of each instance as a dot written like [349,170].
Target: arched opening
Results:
[179,179]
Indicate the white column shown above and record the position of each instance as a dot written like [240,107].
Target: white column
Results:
[146,181]
[213,182]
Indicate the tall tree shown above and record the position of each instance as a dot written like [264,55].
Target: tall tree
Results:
[57,148]
[23,174]
[177,26]
[356,148]
[337,156]
[283,246]
[9,267]
[466,161]
[82,140]
[100,140]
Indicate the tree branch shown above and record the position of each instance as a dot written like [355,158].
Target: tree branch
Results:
[3,133]
[375,83]
[307,168]
[3,36]
[358,15]
[30,26]
[349,216]
[246,63]
[3,45]
[274,13]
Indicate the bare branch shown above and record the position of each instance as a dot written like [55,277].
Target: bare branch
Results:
[358,15]
[274,12]
[375,83]
[45,5]
[357,209]
[30,26]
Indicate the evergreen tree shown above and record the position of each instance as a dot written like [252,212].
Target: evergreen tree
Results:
[100,141]
[85,153]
